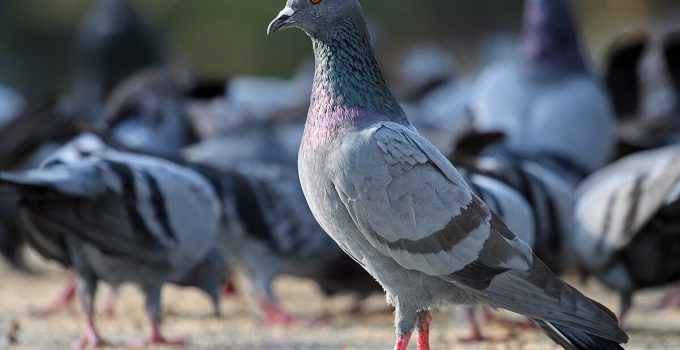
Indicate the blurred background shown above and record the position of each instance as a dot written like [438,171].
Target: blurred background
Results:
[225,37]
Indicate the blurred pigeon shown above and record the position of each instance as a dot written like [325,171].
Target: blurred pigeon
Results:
[548,103]
[119,218]
[146,113]
[402,211]
[269,231]
[628,222]
[208,275]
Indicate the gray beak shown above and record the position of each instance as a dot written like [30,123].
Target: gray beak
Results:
[281,21]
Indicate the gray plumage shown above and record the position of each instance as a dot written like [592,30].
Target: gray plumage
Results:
[550,200]
[547,103]
[118,218]
[398,207]
[627,228]
[268,231]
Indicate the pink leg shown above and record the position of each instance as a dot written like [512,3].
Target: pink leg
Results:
[275,315]
[64,299]
[475,331]
[157,338]
[424,331]
[90,335]
[402,342]
[228,289]
[110,305]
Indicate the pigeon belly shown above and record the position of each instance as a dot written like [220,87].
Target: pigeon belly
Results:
[401,285]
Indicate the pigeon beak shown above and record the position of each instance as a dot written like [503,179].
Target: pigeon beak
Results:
[281,21]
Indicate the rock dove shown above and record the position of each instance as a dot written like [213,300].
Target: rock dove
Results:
[268,231]
[118,218]
[399,208]
[547,103]
[627,222]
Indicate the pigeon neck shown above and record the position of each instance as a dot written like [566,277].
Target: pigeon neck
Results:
[348,84]
[550,39]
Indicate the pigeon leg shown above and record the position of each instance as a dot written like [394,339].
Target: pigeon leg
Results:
[406,320]
[276,315]
[153,309]
[402,342]
[229,289]
[110,305]
[64,299]
[273,312]
[424,320]
[475,330]
[87,287]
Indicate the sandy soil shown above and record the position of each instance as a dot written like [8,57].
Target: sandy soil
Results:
[188,316]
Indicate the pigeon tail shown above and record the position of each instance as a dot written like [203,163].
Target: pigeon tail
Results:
[575,339]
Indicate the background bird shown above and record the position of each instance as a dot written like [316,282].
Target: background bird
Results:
[119,218]
[627,222]
[399,208]
[547,102]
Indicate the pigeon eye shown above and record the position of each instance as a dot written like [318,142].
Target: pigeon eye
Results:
[315,2]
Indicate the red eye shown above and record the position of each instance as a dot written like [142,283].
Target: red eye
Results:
[315,2]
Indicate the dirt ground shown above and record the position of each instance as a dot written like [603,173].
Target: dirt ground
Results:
[188,316]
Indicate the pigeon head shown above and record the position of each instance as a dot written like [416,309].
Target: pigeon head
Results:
[550,37]
[316,17]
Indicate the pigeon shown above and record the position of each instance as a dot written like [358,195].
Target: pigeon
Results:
[268,231]
[627,222]
[547,102]
[118,217]
[209,275]
[399,208]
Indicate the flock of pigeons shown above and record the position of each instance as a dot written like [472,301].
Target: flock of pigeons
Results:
[149,176]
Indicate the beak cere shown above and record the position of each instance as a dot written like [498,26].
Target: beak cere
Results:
[281,20]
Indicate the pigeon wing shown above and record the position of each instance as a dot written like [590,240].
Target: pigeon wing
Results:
[411,204]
